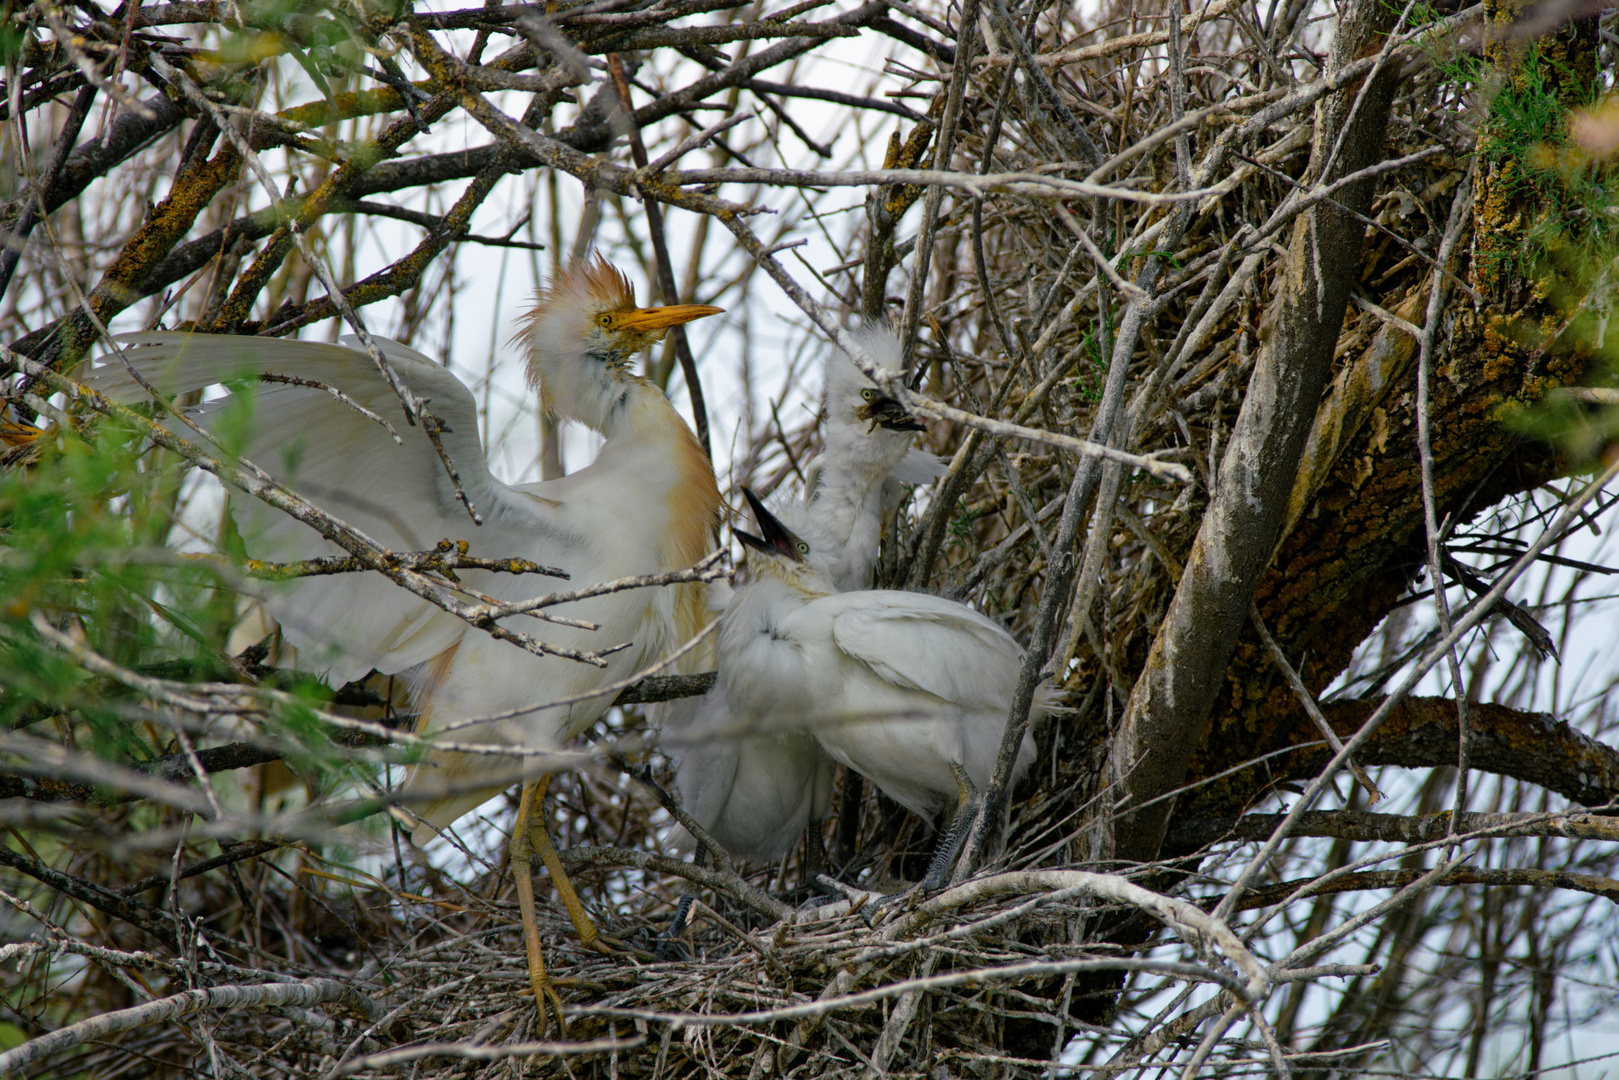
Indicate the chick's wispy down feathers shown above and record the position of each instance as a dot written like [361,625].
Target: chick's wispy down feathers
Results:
[756,792]
[898,686]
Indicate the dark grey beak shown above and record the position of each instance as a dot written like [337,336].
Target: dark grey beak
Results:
[777,539]
[891,415]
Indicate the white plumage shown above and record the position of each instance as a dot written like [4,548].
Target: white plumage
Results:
[901,687]
[855,484]
[756,793]
[645,505]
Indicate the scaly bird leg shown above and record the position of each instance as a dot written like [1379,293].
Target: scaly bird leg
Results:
[816,874]
[683,906]
[949,845]
[540,837]
[814,853]
[523,872]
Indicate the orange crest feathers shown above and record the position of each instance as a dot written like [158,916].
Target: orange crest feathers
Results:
[591,279]
[590,284]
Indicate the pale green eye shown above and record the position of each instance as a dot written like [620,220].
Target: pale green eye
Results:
[803,548]
[867,394]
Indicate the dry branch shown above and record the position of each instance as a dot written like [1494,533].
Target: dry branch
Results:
[1127,370]
[1170,705]
[264,996]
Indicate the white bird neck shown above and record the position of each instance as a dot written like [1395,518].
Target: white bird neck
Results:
[650,443]
[844,496]
[844,519]
[758,607]
[779,583]
[633,409]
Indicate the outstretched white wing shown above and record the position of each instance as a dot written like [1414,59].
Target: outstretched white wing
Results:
[397,493]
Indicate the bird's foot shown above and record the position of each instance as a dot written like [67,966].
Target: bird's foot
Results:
[612,945]
[662,947]
[861,903]
[670,950]
[545,993]
[905,898]
[831,888]
[546,1001]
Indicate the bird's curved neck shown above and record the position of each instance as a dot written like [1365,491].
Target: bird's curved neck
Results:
[637,410]
[849,491]
[645,426]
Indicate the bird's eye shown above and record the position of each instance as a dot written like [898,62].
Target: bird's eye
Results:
[604,319]
[867,394]
[803,548]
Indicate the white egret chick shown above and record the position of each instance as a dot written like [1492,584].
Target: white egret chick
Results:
[853,486]
[645,505]
[757,793]
[909,690]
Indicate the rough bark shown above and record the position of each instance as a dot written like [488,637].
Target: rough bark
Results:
[1357,546]
[1421,734]
[1170,706]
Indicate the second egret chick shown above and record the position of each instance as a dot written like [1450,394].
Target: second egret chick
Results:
[909,690]
[856,483]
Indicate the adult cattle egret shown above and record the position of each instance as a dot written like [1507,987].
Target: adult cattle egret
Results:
[909,690]
[646,504]
[756,793]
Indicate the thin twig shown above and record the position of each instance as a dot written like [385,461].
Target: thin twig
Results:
[1308,702]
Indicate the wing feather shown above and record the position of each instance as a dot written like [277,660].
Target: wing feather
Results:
[397,494]
[919,467]
[925,643]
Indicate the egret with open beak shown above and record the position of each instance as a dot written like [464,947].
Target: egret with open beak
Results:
[757,793]
[912,691]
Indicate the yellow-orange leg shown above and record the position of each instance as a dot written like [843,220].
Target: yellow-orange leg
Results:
[531,837]
[523,874]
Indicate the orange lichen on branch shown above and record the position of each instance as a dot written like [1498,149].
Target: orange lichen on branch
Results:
[193,189]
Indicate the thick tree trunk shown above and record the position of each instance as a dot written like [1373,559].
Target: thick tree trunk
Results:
[1170,706]
[1357,544]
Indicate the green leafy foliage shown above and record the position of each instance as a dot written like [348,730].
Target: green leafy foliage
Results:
[11,42]
[1093,368]
[961,526]
[92,592]
[1526,139]
[1570,247]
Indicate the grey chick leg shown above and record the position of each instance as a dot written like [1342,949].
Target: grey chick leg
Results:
[969,804]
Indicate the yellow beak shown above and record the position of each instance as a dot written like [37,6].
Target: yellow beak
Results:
[661,318]
[15,434]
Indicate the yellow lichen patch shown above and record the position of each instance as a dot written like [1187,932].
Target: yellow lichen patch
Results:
[1358,389]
